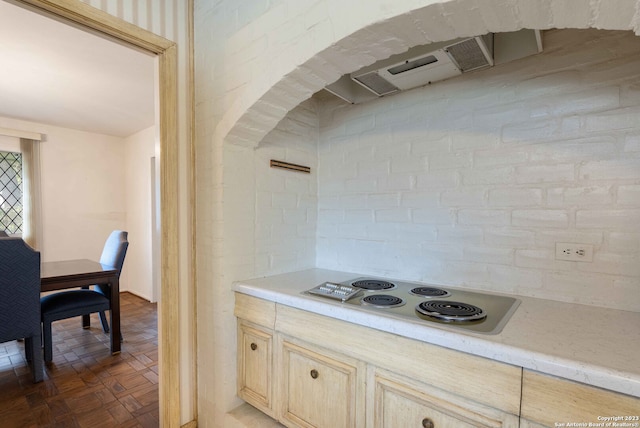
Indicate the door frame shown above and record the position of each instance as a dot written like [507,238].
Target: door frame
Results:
[76,12]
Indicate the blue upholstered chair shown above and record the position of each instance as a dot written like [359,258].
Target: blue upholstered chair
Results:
[20,299]
[81,302]
[113,254]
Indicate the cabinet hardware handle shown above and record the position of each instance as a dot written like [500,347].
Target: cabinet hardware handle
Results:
[314,374]
[427,423]
[254,346]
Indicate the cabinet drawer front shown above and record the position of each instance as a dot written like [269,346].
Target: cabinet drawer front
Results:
[258,311]
[400,403]
[548,400]
[319,391]
[486,381]
[254,368]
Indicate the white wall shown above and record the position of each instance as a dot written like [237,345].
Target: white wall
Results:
[274,211]
[82,193]
[139,151]
[472,181]
[83,186]
[286,201]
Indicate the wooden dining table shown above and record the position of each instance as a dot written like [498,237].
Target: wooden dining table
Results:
[83,273]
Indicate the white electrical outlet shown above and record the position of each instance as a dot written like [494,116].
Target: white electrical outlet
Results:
[574,252]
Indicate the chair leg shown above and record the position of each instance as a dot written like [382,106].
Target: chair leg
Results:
[32,347]
[103,321]
[46,336]
[86,321]
[28,349]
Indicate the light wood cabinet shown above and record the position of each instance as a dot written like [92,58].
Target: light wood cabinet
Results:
[326,373]
[402,402]
[313,371]
[319,389]
[255,354]
[548,400]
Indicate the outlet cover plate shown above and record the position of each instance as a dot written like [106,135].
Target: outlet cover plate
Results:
[574,252]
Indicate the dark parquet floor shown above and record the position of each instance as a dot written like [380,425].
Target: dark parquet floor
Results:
[86,386]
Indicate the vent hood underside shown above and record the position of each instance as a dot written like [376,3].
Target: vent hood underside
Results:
[424,65]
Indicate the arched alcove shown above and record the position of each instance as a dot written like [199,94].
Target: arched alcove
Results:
[267,99]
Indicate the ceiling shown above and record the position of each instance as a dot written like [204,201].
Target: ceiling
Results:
[57,74]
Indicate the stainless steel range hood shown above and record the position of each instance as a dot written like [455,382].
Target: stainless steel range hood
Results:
[427,64]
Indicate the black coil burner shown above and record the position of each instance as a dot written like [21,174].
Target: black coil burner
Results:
[449,311]
[382,301]
[373,284]
[430,292]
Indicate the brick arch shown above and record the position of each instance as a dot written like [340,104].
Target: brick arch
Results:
[266,101]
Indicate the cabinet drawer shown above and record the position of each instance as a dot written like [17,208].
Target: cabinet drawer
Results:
[257,311]
[255,366]
[319,391]
[548,400]
[400,402]
[489,382]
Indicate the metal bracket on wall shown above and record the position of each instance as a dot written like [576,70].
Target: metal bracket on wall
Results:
[290,166]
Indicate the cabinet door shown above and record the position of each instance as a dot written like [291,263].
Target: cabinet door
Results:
[319,391]
[254,366]
[401,403]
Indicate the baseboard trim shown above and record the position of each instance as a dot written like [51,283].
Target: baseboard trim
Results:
[246,416]
[137,295]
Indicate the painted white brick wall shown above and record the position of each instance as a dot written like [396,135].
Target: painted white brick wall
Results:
[307,44]
[290,215]
[472,181]
[272,213]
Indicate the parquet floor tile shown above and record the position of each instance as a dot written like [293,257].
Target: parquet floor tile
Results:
[85,386]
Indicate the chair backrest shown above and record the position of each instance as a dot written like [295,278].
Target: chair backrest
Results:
[19,290]
[115,248]
[3,234]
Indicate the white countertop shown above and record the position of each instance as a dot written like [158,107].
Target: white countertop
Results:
[588,344]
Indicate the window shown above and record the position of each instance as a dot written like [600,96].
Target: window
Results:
[11,192]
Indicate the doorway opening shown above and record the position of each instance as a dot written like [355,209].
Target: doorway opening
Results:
[92,20]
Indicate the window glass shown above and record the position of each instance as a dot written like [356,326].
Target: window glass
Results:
[11,192]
